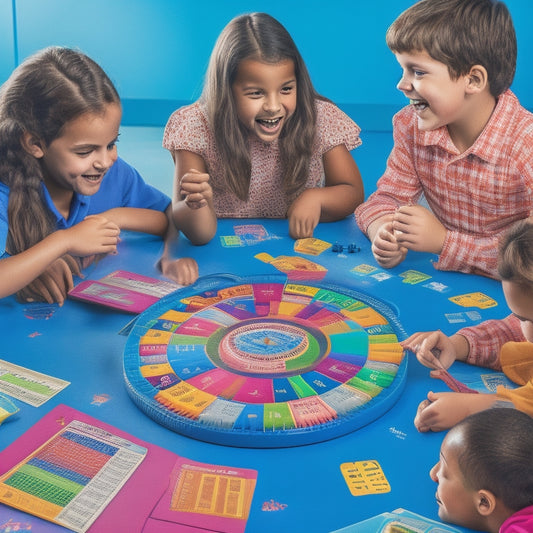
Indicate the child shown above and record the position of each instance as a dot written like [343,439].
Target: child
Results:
[465,143]
[485,473]
[511,338]
[63,191]
[261,142]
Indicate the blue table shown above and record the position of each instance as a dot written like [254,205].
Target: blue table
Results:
[81,343]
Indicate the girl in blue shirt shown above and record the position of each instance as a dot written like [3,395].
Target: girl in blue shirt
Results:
[64,194]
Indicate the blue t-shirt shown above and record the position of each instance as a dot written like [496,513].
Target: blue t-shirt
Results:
[122,186]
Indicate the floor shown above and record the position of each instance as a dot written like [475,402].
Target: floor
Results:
[141,147]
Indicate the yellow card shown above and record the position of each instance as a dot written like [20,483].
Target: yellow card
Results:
[364,269]
[474,299]
[365,477]
[311,246]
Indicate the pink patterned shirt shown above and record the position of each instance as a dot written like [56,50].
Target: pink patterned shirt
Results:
[188,129]
[477,195]
[487,338]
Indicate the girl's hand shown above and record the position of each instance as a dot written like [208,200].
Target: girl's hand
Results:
[94,235]
[388,252]
[183,271]
[195,189]
[433,349]
[442,410]
[53,284]
[304,214]
[417,228]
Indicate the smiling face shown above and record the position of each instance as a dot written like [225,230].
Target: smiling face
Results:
[438,99]
[78,160]
[457,503]
[265,96]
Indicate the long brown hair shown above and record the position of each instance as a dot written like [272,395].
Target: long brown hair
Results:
[49,89]
[261,37]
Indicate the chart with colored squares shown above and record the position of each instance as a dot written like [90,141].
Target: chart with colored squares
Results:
[263,361]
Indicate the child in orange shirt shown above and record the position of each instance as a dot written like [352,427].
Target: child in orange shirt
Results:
[499,344]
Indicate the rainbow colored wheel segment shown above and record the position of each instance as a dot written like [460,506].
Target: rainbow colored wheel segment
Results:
[261,362]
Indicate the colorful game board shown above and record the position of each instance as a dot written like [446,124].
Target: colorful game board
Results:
[264,362]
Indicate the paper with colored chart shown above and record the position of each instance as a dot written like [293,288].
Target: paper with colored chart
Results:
[73,476]
[27,385]
[123,290]
[208,497]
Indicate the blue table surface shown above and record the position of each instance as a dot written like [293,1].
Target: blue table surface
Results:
[81,343]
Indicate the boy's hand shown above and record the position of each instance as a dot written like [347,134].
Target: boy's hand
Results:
[433,349]
[387,251]
[93,235]
[442,410]
[195,189]
[304,214]
[417,228]
[183,271]
[53,284]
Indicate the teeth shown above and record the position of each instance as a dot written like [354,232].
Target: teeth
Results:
[271,122]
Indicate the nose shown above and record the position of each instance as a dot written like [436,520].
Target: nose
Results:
[433,473]
[105,159]
[404,84]
[272,103]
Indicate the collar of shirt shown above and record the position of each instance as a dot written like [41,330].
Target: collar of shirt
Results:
[79,206]
[491,138]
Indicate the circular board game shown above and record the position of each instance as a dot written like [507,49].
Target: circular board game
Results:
[263,362]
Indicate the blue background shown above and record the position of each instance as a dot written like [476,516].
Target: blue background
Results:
[156,51]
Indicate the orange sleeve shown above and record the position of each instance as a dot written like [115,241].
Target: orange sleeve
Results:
[517,363]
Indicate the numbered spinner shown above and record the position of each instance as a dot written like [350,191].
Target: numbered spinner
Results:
[262,362]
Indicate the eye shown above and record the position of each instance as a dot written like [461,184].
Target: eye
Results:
[287,89]
[113,143]
[254,94]
[418,73]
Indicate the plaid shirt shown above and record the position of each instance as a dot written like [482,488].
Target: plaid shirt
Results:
[487,338]
[476,195]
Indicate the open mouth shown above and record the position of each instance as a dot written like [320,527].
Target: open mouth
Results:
[269,123]
[419,105]
[92,177]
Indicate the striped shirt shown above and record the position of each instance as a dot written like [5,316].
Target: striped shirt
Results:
[477,195]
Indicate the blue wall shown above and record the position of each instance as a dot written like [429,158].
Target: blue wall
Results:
[156,51]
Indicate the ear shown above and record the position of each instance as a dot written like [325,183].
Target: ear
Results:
[485,502]
[32,144]
[477,79]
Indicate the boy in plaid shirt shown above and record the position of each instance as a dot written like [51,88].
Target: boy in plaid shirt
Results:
[464,142]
